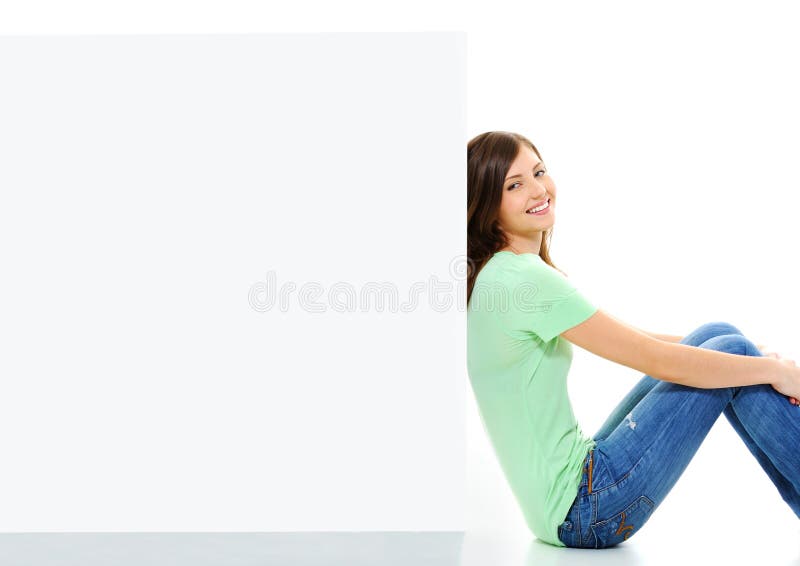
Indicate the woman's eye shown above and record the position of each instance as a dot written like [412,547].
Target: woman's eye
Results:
[543,171]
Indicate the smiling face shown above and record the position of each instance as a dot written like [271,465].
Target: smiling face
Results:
[527,186]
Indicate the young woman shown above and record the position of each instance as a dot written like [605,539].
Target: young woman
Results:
[523,315]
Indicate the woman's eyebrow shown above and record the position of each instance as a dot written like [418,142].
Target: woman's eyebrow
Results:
[515,176]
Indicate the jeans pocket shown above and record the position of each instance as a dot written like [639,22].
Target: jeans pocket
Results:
[602,478]
[623,525]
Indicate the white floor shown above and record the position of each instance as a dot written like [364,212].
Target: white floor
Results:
[739,544]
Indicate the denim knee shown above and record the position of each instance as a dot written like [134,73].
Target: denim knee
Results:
[709,330]
[728,343]
[719,328]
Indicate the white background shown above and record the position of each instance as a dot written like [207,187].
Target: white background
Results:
[670,130]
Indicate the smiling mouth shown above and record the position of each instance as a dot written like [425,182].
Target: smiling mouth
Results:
[546,207]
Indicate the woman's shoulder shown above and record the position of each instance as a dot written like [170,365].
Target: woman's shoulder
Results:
[526,274]
[507,272]
[510,266]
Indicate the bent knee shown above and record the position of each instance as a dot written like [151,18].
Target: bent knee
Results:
[719,328]
[731,344]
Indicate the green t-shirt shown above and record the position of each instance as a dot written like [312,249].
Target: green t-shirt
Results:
[518,367]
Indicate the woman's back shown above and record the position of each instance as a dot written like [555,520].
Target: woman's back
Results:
[518,368]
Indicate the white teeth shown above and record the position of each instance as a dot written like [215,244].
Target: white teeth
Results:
[545,205]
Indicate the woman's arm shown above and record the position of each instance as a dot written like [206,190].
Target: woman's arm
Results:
[664,337]
[610,338]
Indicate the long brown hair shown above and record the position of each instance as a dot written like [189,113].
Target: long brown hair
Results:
[489,157]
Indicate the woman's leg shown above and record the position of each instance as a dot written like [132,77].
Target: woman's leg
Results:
[646,383]
[640,461]
[788,492]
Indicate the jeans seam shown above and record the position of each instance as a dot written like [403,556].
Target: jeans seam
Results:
[584,536]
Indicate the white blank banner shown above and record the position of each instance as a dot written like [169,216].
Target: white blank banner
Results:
[156,193]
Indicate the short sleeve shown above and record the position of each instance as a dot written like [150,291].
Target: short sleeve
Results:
[538,298]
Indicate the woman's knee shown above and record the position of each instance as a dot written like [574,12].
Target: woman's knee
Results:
[720,328]
[731,344]
[709,330]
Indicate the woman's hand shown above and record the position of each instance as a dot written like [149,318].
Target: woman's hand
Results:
[788,381]
[764,350]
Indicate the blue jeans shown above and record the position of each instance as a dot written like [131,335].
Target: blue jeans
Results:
[649,439]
